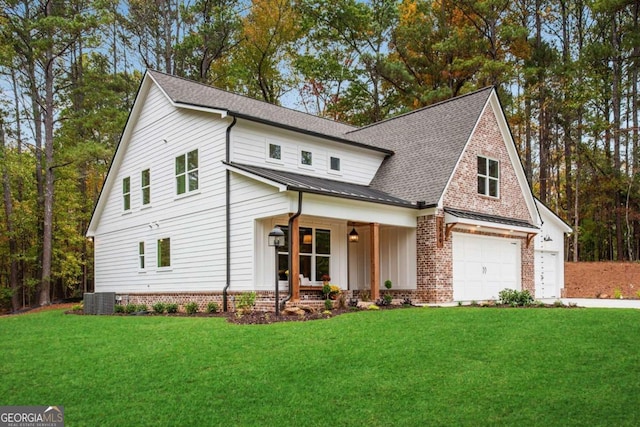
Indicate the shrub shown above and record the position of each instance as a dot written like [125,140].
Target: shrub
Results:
[328,304]
[373,307]
[353,302]
[558,303]
[246,301]
[171,307]
[617,293]
[130,308]
[387,299]
[365,296]
[118,308]
[142,307]
[5,297]
[77,307]
[388,284]
[212,307]
[159,307]
[515,298]
[191,307]
[407,302]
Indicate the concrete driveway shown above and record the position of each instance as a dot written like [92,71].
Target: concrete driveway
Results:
[597,303]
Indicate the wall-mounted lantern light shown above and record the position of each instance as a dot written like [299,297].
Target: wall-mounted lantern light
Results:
[353,236]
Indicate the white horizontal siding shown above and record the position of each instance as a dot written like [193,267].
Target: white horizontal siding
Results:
[249,146]
[195,223]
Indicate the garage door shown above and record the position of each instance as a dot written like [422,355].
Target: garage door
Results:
[483,266]
[546,274]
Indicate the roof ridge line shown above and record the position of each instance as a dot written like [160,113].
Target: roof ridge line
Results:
[252,99]
[418,110]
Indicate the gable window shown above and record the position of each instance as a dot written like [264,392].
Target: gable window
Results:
[275,152]
[187,172]
[334,164]
[141,255]
[164,252]
[488,177]
[126,193]
[306,158]
[145,186]
[315,254]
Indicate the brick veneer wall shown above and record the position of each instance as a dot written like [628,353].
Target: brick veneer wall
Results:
[462,192]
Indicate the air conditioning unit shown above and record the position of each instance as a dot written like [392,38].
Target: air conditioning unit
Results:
[104,302]
[89,303]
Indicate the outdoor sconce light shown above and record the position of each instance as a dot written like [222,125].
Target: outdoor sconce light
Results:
[353,236]
[276,239]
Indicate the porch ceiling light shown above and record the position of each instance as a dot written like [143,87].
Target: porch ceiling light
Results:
[276,237]
[353,236]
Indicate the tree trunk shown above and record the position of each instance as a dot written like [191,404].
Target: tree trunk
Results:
[8,210]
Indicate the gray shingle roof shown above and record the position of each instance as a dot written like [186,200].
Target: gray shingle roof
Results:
[311,184]
[424,145]
[427,144]
[188,92]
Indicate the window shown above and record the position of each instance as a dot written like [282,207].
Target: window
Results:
[164,252]
[145,186]
[334,164]
[488,177]
[315,253]
[141,255]
[275,152]
[306,158]
[187,172]
[126,193]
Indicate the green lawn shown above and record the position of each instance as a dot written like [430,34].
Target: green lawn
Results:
[422,366]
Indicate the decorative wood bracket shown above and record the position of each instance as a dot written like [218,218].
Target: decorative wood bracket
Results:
[530,237]
[447,233]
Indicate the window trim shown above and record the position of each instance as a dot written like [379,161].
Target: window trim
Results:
[142,261]
[302,165]
[126,195]
[313,254]
[143,188]
[186,173]
[159,254]
[488,178]
[334,171]
[268,157]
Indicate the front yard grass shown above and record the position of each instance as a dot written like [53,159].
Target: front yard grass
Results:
[419,366]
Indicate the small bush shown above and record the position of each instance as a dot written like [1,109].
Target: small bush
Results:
[617,293]
[142,307]
[388,284]
[130,308]
[353,302]
[77,307]
[373,307]
[191,307]
[212,307]
[159,307]
[365,296]
[171,307]
[118,308]
[515,298]
[407,302]
[328,304]
[246,301]
[5,297]
[387,299]
[558,303]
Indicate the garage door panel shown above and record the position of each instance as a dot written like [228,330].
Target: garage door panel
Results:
[483,266]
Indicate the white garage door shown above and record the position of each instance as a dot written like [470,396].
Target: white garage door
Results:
[546,274]
[483,266]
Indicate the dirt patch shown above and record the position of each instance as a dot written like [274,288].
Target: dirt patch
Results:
[602,280]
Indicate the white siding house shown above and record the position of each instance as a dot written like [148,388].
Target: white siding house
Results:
[201,176]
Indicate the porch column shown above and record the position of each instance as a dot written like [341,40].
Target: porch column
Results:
[375,260]
[294,268]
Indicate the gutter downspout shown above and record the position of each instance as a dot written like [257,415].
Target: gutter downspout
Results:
[228,214]
[289,237]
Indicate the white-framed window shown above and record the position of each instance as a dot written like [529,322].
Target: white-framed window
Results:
[141,256]
[488,177]
[164,252]
[315,253]
[187,172]
[126,194]
[306,158]
[145,186]
[335,164]
[274,152]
